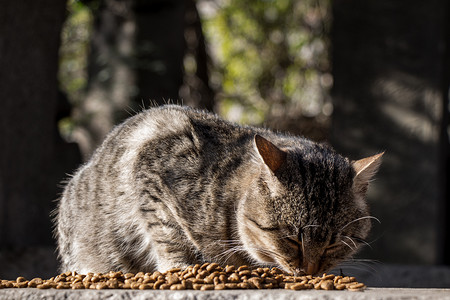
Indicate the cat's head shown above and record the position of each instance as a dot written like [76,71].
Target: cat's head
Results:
[306,211]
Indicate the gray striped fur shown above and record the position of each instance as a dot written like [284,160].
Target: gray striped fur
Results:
[173,186]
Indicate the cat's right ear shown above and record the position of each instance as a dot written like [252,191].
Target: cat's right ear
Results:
[272,156]
[365,169]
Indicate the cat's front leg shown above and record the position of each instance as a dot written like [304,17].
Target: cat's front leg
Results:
[171,249]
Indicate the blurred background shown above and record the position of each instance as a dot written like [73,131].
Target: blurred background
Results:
[363,76]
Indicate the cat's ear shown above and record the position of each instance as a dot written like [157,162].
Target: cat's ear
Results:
[365,169]
[271,154]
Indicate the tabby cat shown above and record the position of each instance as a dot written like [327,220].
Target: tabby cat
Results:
[173,186]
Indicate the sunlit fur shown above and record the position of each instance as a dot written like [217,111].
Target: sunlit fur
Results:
[173,186]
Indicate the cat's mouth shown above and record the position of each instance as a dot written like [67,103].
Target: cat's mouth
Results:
[306,269]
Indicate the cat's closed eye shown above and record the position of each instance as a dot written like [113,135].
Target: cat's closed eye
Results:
[293,241]
[263,227]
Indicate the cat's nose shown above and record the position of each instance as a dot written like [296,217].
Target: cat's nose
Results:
[311,268]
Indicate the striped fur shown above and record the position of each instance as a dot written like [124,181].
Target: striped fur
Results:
[173,186]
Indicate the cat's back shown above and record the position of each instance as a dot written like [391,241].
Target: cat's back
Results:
[161,122]
[156,134]
[167,146]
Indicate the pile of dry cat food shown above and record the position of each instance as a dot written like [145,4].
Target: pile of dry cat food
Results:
[209,276]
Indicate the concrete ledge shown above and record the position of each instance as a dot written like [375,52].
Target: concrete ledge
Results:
[401,276]
[368,294]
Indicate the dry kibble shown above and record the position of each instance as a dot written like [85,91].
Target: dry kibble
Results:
[245,273]
[202,274]
[208,280]
[269,280]
[157,284]
[35,282]
[212,267]
[80,286]
[188,275]
[276,270]
[297,286]
[195,269]
[127,286]
[243,285]
[173,270]
[177,286]
[231,286]
[206,287]
[112,283]
[208,276]
[356,286]
[172,279]
[146,286]
[21,284]
[234,278]
[327,285]
[44,286]
[135,285]
[222,278]
[268,286]
[63,285]
[229,269]
[165,286]
[256,281]
[347,279]
[328,277]
[101,286]
[241,268]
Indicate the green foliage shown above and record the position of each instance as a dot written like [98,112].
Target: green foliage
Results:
[73,56]
[74,50]
[269,57]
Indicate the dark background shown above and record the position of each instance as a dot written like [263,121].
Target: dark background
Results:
[390,64]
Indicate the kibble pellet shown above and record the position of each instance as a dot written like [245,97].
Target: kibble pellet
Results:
[209,276]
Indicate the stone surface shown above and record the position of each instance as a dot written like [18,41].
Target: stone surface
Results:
[370,293]
[375,274]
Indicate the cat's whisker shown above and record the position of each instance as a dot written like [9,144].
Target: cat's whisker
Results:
[225,255]
[236,246]
[359,219]
[362,260]
[365,265]
[351,240]
[355,269]
[303,244]
[348,245]
[363,241]
[294,236]
[269,252]
[228,242]
[232,251]
[311,225]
